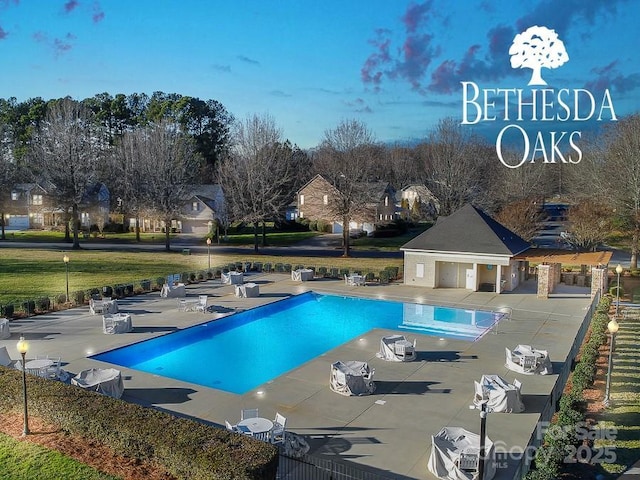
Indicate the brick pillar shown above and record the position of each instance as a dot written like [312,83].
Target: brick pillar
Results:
[598,280]
[544,281]
[557,275]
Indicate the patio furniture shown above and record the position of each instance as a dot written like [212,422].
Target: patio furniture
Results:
[354,280]
[248,413]
[193,305]
[38,367]
[396,348]
[5,359]
[302,274]
[352,378]
[107,381]
[248,290]
[173,291]
[278,430]
[498,395]
[258,427]
[113,323]
[455,454]
[4,328]
[232,278]
[528,360]
[103,306]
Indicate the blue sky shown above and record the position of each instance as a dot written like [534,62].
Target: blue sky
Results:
[394,65]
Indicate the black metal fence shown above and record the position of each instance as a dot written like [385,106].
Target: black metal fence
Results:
[309,467]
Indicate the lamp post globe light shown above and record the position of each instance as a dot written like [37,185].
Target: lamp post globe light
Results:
[612,327]
[209,251]
[65,259]
[483,437]
[22,347]
[618,271]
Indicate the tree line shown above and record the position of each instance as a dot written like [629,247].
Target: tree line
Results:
[150,150]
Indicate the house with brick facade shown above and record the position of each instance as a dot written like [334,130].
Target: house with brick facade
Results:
[315,201]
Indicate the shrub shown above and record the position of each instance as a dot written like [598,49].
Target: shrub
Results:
[128,289]
[369,277]
[78,297]
[343,272]
[192,277]
[200,276]
[279,267]
[7,310]
[322,271]
[44,304]
[107,291]
[29,307]
[257,266]
[61,299]
[185,447]
[334,273]
[287,267]
[267,267]
[393,272]
[160,281]
[145,285]
[384,276]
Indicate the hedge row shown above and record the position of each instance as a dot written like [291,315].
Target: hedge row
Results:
[562,434]
[185,448]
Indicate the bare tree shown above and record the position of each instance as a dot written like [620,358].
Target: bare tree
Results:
[620,176]
[8,172]
[535,48]
[168,169]
[589,224]
[261,174]
[66,151]
[130,156]
[522,217]
[344,158]
[455,165]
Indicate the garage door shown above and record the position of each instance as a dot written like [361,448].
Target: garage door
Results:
[447,275]
[18,222]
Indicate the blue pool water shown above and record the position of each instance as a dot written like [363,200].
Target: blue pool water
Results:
[242,351]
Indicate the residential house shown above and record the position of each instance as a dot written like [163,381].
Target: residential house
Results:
[199,214]
[95,206]
[417,202]
[314,202]
[468,249]
[30,205]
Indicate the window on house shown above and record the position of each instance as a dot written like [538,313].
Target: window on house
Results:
[195,206]
[325,199]
[14,195]
[301,199]
[301,214]
[419,270]
[386,201]
[380,216]
[37,199]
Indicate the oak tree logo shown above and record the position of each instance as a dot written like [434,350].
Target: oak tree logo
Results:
[535,48]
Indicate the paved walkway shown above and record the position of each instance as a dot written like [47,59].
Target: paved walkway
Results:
[389,432]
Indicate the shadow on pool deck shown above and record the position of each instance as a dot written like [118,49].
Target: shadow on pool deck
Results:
[388,432]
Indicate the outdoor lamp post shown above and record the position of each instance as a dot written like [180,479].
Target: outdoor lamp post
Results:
[483,437]
[618,271]
[23,346]
[65,259]
[612,327]
[209,251]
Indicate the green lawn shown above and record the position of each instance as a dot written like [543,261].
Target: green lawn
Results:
[33,273]
[622,419]
[28,461]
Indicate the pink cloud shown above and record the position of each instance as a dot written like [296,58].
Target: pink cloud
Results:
[98,14]
[415,15]
[70,6]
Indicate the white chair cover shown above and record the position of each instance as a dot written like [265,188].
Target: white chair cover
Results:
[499,395]
[4,328]
[396,348]
[528,360]
[5,359]
[107,381]
[352,378]
[446,449]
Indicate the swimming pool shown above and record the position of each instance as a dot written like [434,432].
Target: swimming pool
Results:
[242,351]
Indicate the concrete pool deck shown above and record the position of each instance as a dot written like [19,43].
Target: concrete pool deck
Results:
[389,432]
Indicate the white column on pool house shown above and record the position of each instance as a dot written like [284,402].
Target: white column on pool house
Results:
[498,277]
